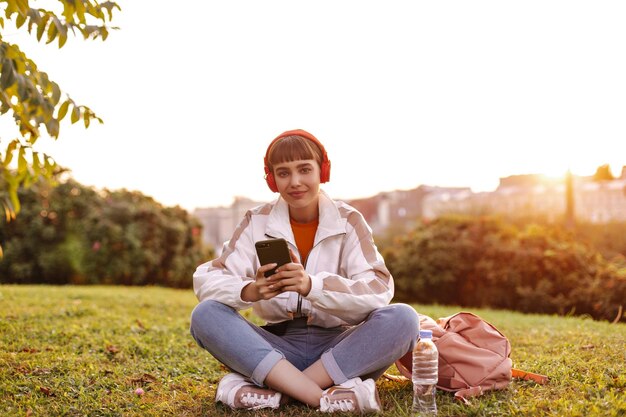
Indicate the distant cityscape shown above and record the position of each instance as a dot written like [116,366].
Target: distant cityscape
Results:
[594,201]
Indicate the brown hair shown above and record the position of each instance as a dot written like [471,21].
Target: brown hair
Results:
[293,148]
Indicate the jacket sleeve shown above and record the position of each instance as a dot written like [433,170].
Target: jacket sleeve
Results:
[222,279]
[364,283]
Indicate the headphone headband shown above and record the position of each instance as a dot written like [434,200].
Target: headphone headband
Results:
[324,168]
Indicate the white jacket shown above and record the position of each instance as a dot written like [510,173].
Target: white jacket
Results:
[349,278]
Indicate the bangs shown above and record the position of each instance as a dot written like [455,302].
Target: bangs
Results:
[294,148]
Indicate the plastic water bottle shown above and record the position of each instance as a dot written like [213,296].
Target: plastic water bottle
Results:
[425,375]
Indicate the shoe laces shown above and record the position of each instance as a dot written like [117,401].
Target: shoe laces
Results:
[253,399]
[338,404]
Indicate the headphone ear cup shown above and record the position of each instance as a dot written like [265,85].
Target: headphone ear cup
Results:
[271,182]
[269,177]
[325,171]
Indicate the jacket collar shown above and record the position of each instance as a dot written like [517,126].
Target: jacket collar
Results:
[330,222]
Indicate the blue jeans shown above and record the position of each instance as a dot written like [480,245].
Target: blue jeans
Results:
[365,350]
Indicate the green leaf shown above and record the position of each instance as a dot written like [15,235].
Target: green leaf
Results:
[19,22]
[36,164]
[4,107]
[52,33]
[80,11]
[47,108]
[52,126]
[68,11]
[7,78]
[56,93]
[9,152]
[63,109]
[61,31]
[75,114]
[10,9]
[21,62]
[41,26]
[62,39]
[86,121]
[21,160]
[22,88]
[22,6]
[15,202]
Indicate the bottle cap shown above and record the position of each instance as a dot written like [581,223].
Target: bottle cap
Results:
[426,334]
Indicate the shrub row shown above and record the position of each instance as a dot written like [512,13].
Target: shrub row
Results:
[72,234]
[485,262]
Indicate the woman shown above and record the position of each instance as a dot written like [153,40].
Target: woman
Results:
[331,331]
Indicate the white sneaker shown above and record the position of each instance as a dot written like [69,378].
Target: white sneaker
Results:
[236,391]
[353,395]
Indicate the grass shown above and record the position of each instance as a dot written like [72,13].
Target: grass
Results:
[83,351]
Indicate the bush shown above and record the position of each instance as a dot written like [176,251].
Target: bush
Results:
[484,262]
[72,234]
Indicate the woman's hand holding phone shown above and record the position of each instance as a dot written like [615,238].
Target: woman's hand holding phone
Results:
[276,274]
[290,277]
[260,289]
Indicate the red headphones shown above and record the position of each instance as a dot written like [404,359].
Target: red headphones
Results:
[325,166]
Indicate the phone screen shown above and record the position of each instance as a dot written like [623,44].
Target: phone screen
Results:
[272,251]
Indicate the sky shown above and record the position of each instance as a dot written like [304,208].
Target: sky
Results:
[401,93]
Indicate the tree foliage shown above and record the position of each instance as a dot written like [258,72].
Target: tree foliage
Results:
[72,234]
[36,103]
[484,262]
[603,173]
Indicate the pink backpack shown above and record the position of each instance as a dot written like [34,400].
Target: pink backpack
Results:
[473,356]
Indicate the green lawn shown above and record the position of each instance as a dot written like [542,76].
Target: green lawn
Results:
[77,351]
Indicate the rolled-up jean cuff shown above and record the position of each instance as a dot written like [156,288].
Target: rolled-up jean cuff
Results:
[265,366]
[335,373]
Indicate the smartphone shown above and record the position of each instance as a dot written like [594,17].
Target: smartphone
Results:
[272,251]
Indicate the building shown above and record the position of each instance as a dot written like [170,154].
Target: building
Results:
[401,208]
[518,195]
[601,201]
[219,223]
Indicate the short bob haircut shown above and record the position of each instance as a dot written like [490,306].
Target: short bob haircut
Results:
[293,148]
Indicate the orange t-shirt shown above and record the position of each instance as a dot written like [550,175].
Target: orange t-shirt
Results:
[305,236]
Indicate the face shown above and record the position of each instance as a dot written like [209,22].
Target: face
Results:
[298,183]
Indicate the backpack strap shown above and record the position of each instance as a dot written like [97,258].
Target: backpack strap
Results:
[529,376]
[465,393]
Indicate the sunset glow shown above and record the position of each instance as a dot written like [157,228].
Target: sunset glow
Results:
[438,94]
